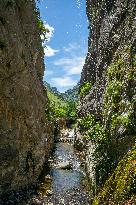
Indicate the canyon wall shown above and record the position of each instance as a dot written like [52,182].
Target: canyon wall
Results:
[26,135]
[110,105]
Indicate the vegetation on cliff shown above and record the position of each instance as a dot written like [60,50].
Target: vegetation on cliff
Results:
[107,114]
[108,108]
[121,83]
[42,28]
[120,188]
[84,89]
[114,134]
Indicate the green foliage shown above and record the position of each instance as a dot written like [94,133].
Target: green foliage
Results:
[97,134]
[48,113]
[71,109]
[60,112]
[118,113]
[87,122]
[68,111]
[121,186]
[57,105]
[55,100]
[41,26]
[84,90]
[94,130]
[124,120]
[60,108]
[72,94]
[121,75]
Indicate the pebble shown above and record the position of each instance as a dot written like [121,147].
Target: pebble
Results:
[49,192]
[48,177]
[35,202]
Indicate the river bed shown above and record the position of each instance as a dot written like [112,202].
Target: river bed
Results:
[65,183]
[67,186]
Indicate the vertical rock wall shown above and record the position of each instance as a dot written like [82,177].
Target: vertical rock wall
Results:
[110,67]
[25,134]
[112,29]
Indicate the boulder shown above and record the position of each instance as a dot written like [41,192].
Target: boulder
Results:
[65,165]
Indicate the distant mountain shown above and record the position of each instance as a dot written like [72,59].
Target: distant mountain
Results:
[70,94]
[55,98]
[54,90]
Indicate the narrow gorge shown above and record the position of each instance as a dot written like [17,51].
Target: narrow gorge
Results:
[77,147]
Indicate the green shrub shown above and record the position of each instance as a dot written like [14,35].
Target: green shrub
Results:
[92,130]
[121,74]
[59,112]
[71,109]
[95,131]
[87,122]
[84,90]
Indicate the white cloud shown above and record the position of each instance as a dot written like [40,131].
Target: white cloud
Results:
[49,34]
[63,82]
[71,47]
[48,51]
[51,31]
[75,70]
[72,66]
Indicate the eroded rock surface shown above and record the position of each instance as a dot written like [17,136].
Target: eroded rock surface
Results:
[110,68]
[26,136]
[112,29]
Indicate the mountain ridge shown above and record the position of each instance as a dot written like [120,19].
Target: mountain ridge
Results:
[68,95]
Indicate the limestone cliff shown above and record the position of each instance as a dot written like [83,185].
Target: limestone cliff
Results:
[107,110]
[112,29]
[25,134]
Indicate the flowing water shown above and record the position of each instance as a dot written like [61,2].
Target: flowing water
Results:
[64,184]
[68,186]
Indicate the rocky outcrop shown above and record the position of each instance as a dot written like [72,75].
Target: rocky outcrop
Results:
[26,135]
[110,67]
[112,29]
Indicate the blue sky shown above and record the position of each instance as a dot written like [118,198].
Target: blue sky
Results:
[66,47]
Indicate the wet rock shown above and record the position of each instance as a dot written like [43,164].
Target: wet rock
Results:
[35,202]
[50,160]
[48,178]
[78,141]
[65,165]
[49,192]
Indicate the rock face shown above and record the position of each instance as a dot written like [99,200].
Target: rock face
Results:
[110,67]
[26,136]
[112,29]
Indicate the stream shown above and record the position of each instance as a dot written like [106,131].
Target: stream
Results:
[65,183]
[68,182]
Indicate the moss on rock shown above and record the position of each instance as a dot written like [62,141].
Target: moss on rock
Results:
[119,94]
[121,185]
